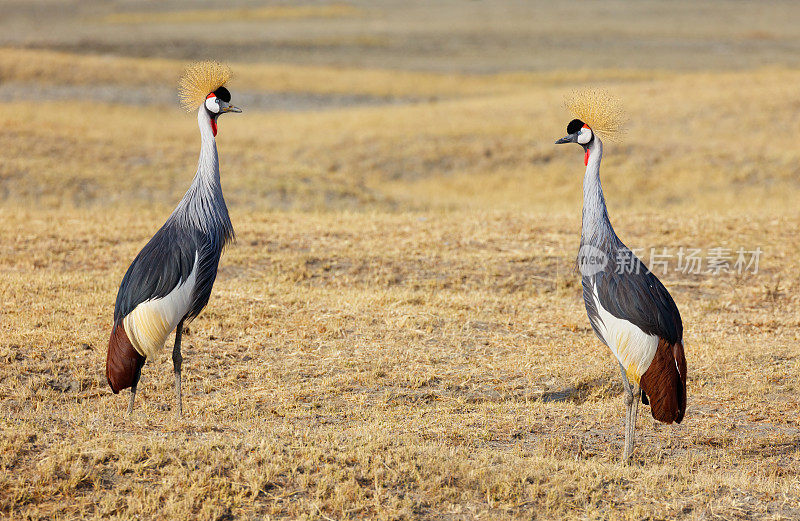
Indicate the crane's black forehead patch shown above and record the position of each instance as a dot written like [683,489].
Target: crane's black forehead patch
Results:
[574,126]
[223,94]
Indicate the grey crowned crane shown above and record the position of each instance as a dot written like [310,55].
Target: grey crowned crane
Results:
[170,280]
[629,309]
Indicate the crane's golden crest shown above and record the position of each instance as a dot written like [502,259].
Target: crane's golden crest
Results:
[199,79]
[598,109]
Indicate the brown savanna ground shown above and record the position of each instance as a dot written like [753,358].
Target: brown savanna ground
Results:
[398,331]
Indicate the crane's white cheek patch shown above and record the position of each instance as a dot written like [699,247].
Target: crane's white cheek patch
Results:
[585,136]
[633,347]
[212,106]
[151,322]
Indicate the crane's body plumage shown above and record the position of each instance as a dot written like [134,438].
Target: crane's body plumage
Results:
[186,249]
[170,280]
[629,309]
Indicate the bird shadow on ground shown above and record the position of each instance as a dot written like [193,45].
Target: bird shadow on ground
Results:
[603,387]
[771,448]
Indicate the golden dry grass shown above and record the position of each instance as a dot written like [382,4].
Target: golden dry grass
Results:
[70,69]
[253,14]
[398,331]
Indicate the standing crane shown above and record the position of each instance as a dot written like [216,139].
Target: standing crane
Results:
[629,309]
[170,280]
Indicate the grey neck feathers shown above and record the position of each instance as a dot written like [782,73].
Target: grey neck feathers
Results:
[596,228]
[203,206]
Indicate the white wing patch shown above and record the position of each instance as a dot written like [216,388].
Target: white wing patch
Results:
[633,347]
[151,322]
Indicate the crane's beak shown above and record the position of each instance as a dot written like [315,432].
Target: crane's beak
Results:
[230,108]
[572,138]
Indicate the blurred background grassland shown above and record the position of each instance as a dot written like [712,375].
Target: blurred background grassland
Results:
[398,331]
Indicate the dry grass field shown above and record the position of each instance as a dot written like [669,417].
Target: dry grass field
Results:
[398,331]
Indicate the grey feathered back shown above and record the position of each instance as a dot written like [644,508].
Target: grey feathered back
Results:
[200,224]
[630,291]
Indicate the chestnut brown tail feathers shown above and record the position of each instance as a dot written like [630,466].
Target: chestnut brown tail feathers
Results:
[123,362]
[664,382]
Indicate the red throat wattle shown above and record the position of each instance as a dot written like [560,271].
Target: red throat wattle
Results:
[585,156]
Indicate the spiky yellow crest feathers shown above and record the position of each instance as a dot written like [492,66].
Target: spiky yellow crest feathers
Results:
[199,79]
[598,109]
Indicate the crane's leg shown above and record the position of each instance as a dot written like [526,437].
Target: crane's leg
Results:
[633,410]
[632,396]
[177,360]
[133,397]
[133,387]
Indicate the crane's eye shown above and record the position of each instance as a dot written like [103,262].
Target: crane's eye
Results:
[212,105]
